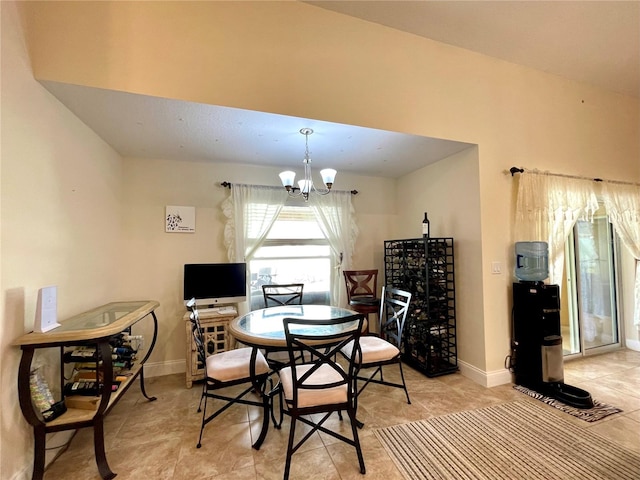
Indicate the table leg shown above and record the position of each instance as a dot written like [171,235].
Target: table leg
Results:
[38,452]
[260,387]
[144,392]
[266,403]
[101,457]
[144,360]
[273,392]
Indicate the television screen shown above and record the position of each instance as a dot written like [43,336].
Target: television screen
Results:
[215,283]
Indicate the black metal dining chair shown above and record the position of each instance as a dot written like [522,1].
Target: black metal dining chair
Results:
[320,385]
[226,369]
[383,350]
[280,295]
[285,294]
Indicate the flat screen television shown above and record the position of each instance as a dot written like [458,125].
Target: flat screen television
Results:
[215,283]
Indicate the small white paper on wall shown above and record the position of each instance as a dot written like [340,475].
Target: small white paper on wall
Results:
[180,219]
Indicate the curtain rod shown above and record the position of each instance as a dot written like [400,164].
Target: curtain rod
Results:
[514,170]
[228,185]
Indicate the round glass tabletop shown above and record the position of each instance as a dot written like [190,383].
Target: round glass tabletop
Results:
[264,328]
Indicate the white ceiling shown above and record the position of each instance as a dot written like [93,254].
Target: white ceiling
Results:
[150,127]
[589,41]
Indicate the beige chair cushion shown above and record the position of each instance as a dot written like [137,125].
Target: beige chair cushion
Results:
[374,349]
[312,398]
[234,365]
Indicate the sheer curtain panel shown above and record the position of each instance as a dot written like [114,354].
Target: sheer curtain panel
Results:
[336,217]
[251,211]
[548,207]
[623,207]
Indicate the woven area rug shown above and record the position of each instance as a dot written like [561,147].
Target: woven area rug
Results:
[598,412]
[518,440]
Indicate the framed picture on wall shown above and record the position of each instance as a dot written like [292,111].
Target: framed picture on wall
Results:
[180,219]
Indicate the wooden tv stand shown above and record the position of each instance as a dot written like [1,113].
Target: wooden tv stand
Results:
[93,328]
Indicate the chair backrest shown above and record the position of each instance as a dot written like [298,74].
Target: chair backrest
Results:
[196,331]
[286,294]
[321,342]
[361,283]
[394,306]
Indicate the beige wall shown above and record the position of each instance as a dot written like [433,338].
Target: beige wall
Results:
[278,57]
[449,190]
[61,224]
[74,214]
[159,257]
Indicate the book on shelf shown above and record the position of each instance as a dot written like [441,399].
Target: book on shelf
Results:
[87,388]
[80,354]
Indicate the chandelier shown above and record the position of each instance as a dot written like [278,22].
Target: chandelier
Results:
[306,186]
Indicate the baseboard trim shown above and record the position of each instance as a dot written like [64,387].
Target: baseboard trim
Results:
[486,379]
[159,369]
[504,376]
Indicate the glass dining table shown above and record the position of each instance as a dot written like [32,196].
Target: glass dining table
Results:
[264,328]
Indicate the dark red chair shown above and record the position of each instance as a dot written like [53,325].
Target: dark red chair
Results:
[362,288]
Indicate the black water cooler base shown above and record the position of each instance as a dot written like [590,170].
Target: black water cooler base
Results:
[537,344]
[572,396]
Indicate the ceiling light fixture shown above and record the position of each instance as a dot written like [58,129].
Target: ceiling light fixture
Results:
[306,186]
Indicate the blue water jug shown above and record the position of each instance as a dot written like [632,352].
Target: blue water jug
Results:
[532,261]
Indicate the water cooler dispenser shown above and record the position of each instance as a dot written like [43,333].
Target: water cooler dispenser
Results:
[537,357]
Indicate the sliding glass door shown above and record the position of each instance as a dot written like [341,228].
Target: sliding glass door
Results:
[591,322]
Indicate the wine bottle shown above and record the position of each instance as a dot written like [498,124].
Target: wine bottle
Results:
[425,226]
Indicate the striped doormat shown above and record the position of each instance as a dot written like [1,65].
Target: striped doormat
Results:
[518,440]
[597,412]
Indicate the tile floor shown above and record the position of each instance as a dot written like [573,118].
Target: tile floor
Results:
[156,440]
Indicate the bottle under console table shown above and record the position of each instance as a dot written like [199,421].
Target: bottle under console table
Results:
[92,329]
[215,329]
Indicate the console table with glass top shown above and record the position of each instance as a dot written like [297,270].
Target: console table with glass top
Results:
[93,328]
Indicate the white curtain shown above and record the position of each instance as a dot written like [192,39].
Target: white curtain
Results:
[335,215]
[548,207]
[623,207]
[251,211]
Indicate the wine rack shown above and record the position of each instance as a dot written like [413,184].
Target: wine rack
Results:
[424,267]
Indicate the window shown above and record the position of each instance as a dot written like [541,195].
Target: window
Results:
[295,251]
[251,212]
